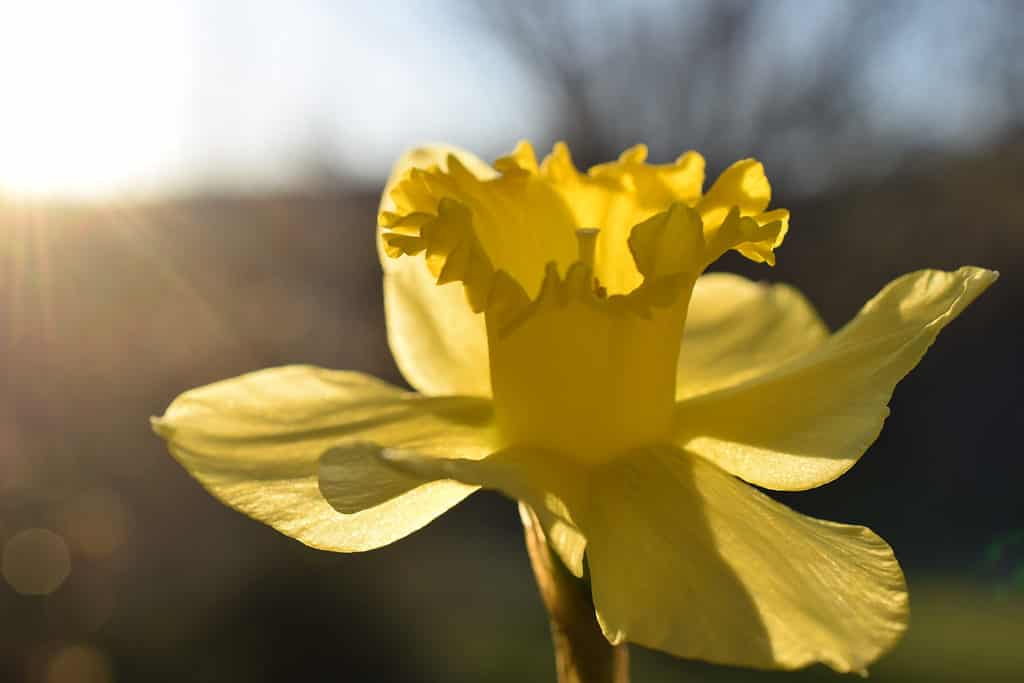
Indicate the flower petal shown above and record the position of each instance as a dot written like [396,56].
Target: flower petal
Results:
[471,228]
[743,185]
[255,441]
[502,232]
[616,196]
[438,342]
[682,556]
[687,559]
[809,420]
[529,475]
[737,329]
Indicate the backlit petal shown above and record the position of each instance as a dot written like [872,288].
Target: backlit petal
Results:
[530,475]
[438,343]
[743,185]
[616,196]
[687,559]
[470,227]
[809,420]
[737,329]
[591,375]
[255,442]
[587,376]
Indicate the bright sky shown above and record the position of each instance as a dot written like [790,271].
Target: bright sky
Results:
[116,95]
[110,96]
[93,94]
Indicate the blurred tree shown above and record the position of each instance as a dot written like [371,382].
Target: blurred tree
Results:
[806,88]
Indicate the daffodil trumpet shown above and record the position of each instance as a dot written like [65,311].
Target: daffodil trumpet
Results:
[567,350]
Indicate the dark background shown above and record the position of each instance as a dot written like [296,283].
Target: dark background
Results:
[109,309]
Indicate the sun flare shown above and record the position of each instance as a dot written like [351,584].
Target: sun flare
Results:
[93,96]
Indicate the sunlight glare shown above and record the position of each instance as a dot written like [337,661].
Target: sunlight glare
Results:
[94,95]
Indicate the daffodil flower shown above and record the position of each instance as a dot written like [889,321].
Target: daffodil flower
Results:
[585,367]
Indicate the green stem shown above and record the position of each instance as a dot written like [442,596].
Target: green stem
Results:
[582,653]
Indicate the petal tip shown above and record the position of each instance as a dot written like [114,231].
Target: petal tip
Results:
[161,426]
[985,276]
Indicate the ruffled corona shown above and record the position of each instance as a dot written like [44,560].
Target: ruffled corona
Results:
[584,280]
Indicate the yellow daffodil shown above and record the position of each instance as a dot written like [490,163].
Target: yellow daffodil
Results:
[585,367]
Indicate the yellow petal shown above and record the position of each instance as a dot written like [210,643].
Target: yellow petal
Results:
[584,375]
[565,539]
[737,329]
[584,280]
[687,559]
[643,231]
[353,477]
[438,343]
[616,196]
[743,185]
[529,475]
[809,420]
[470,227]
[255,441]
[591,375]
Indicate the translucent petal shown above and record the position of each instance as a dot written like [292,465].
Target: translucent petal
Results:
[502,233]
[687,559]
[529,475]
[255,442]
[584,375]
[743,185]
[809,420]
[616,196]
[469,227]
[591,375]
[524,218]
[438,342]
[737,329]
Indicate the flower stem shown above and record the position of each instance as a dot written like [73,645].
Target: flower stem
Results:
[582,653]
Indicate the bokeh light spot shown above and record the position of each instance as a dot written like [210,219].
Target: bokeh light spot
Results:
[96,523]
[79,664]
[36,562]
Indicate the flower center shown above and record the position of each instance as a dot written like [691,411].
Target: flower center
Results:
[585,380]
[583,325]
[583,374]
